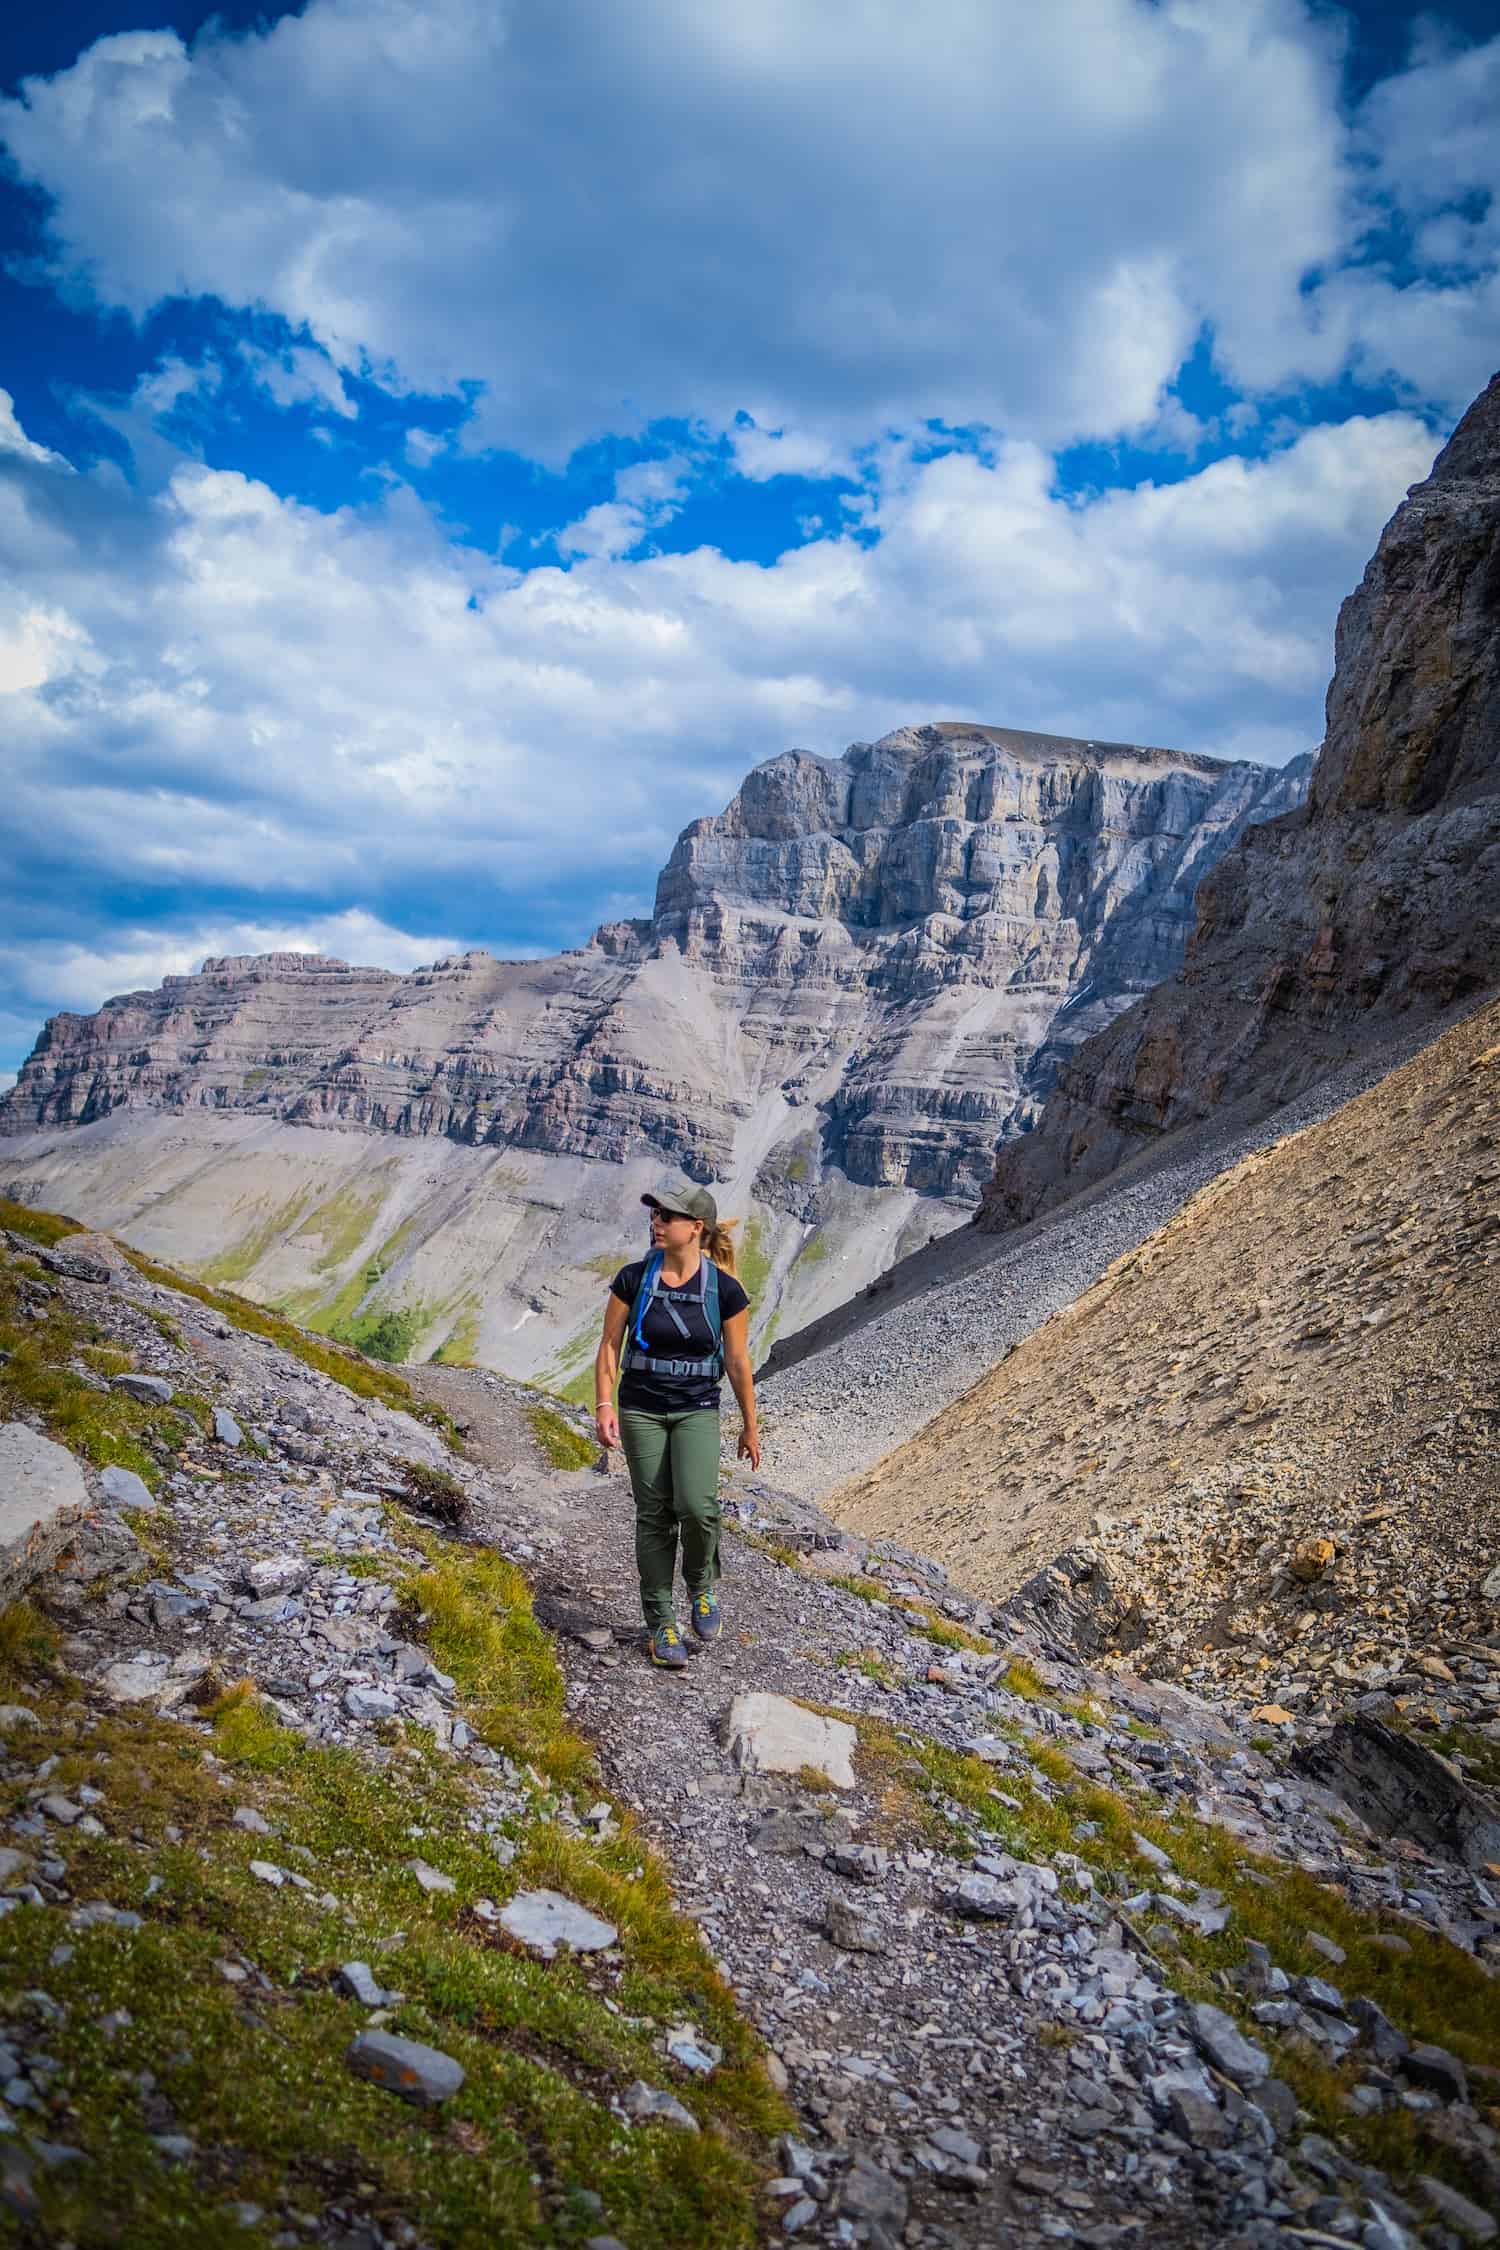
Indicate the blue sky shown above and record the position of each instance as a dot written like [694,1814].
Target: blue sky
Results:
[443,446]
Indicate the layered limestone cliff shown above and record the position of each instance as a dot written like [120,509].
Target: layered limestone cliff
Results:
[1377,901]
[857,981]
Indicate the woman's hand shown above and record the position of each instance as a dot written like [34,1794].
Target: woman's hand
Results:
[748,1448]
[606,1426]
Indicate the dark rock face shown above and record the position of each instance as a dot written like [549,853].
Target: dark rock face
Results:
[874,963]
[1404,1789]
[1377,900]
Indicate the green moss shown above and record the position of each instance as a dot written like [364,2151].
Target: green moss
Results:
[814,1250]
[387,1333]
[254,2071]
[564,1446]
[341,1223]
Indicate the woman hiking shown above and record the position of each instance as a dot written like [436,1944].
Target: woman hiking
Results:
[682,1320]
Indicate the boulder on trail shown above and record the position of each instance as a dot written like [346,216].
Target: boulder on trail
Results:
[43,1499]
[771,1734]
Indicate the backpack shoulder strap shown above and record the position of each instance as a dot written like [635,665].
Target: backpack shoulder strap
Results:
[643,1296]
[711,1310]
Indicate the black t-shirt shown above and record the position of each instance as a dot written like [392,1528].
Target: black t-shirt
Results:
[675,1394]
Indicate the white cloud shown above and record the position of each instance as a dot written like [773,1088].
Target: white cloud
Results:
[647,496]
[299,376]
[846,219]
[286,728]
[79,977]
[13,438]
[762,454]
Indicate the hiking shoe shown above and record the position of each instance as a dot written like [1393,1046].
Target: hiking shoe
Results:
[664,1647]
[707,1622]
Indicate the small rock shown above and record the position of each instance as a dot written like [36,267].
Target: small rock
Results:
[122,1488]
[357,1979]
[151,1390]
[694,2053]
[370,1703]
[1310,1558]
[1273,1715]
[246,1817]
[1472,2223]
[648,2105]
[226,1429]
[799,2215]
[1331,1953]
[544,1920]
[135,1681]
[430,1879]
[61,1809]
[276,1574]
[266,1871]
[1226,2046]
[1436,2069]
[852,1930]
[404,2066]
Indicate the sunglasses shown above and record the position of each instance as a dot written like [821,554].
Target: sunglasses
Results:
[657,1212]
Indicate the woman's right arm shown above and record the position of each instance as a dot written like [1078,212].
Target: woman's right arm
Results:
[606,1368]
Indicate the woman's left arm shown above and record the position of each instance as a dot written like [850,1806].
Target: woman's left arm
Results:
[737,1368]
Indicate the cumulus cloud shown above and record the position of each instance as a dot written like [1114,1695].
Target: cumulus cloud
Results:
[241,723]
[603,212]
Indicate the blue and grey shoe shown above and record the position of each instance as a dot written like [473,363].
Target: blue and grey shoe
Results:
[664,1647]
[708,1624]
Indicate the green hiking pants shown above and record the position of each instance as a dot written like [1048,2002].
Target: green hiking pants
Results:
[674,1473]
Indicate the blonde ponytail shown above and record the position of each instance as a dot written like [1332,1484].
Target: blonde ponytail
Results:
[718,1244]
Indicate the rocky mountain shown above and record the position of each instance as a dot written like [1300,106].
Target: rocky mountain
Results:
[857,980]
[1375,902]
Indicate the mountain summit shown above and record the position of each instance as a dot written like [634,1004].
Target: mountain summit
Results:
[857,980]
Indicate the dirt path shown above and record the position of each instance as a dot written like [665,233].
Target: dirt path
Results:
[962,2079]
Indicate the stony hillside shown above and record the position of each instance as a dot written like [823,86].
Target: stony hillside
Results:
[360,1888]
[1265,1440]
[1376,903]
[857,980]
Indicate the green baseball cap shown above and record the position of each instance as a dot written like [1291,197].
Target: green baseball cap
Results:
[691,1202]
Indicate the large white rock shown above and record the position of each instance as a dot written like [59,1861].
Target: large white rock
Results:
[771,1734]
[545,1920]
[43,1498]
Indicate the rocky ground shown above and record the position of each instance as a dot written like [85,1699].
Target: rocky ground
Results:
[1060,1956]
[1267,1436]
[857,1385]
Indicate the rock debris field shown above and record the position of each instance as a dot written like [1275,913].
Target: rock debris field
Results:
[363,1885]
[876,1373]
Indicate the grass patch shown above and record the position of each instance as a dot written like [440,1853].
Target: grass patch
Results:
[753,1259]
[814,1250]
[240,1260]
[460,1347]
[869,1663]
[253,2069]
[104,1427]
[563,1445]
[920,1616]
[434,1492]
[47,1227]
[366,1379]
